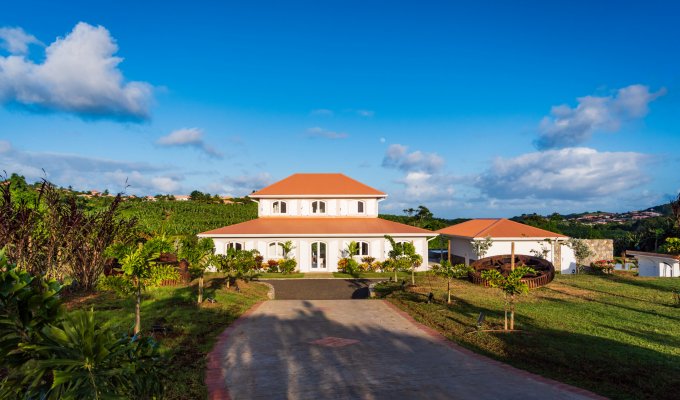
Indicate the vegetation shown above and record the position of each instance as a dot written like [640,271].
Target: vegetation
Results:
[402,257]
[186,332]
[348,264]
[449,271]
[199,253]
[481,247]
[512,286]
[47,353]
[671,246]
[581,251]
[612,334]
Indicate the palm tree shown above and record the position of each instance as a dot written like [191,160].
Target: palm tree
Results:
[396,255]
[287,247]
[136,265]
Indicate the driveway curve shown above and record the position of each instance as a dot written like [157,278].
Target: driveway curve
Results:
[357,349]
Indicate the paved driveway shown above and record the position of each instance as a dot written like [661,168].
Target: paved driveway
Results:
[320,289]
[357,349]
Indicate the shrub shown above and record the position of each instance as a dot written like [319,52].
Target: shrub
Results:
[604,266]
[258,261]
[461,270]
[376,266]
[367,259]
[162,273]
[348,266]
[115,283]
[272,265]
[287,266]
[671,246]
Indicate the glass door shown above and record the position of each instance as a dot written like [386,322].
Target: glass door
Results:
[318,255]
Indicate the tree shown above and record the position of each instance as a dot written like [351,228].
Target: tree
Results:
[236,263]
[199,253]
[136,265]
[349,264]
[675,206]
[580,249]
[287,248]
[448,271]
[511,286]
[398,259]
[481,247]
[413,258]
[671,246]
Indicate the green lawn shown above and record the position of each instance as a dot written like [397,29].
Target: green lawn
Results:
[193,329]
[615,335]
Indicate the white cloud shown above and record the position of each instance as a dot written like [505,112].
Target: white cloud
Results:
[424,186]
[568,174]
[324,112]
[325,133]
[567,126]
[87,173]
[188,137]
[397,156]
[79,75]
[241,185]
[366,113]
[16,41]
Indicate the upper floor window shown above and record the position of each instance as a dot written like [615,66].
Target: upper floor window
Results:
[279,207]
[363,249]
[318,207]
[361,207]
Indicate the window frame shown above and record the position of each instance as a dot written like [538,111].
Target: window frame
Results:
[319,203]
[279,207]
[360,245]
[361,207]
[279,247]
[233,244]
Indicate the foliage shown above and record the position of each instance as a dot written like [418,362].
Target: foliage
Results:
[580,248]
[238,264]
[119,284]
[287,266]
[162,273]
[542,252]
[272,266]
[481,247]
[402,257]
[605,266]
[87,360]
[199,253]
[287,248]
[348,265]
[55,234]
[511,285]
[671,246]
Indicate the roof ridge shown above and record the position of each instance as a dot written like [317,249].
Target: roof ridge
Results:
[489,227]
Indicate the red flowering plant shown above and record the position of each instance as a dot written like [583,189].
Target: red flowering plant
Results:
[605,266]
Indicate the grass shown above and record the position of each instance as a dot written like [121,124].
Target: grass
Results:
[614,335]
[193,328]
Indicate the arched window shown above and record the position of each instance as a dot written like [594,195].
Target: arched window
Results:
[234,245]
[361,207]
[279,207]
[363,249]
[318,207]
[275,250]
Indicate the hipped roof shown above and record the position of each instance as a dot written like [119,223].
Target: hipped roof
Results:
[288,226]
[496,228]
[318,184]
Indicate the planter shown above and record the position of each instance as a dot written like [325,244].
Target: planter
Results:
[545,271]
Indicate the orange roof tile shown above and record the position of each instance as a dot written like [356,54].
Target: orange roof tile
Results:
[496,227]
[318,184]
[319,226]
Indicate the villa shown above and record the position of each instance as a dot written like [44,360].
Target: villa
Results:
[320,214]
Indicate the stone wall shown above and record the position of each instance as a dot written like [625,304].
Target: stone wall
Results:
[603,249]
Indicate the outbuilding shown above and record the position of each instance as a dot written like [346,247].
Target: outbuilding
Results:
[656,264]
[502,234]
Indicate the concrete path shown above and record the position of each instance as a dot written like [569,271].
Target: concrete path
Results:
[320,289]
[357,349]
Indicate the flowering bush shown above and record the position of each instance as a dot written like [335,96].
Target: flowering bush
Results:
[348,266]
[606,266]
[287,266]
[272,265]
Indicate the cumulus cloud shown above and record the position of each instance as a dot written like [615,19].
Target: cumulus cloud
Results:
[88,172]
[16,41]
[325,133]
[79,75]
[188,137]
[576,173]
[397,156]
[567,126]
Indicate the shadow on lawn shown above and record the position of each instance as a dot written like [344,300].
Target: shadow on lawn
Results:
[605,366]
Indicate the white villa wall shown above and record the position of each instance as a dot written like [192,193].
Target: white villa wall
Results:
[378,248]
[657,267]
[334,207]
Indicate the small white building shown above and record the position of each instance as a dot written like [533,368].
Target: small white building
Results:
[503,232]
[321,214]
[656,264]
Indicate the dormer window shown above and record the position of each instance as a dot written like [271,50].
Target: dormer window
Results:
[279,207]
[318,207]
[361,207]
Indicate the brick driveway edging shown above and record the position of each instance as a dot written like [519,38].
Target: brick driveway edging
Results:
[446,342]
[214,375]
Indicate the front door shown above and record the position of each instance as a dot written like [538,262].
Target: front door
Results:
[318,256]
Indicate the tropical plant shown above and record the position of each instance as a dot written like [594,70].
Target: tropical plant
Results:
[84,360]
[272,266]
[481,247]
[401,257]
[671,246]
[413,258]
[199,254]
[445,269]
[605,266]
[287,248]
[580,249]
[542,252]
[287,266]
[136,266]
[511,286]
[237,264]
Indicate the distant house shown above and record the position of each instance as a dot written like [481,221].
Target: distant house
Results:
[181,197]
[503,232]
[656,264]
[321,214]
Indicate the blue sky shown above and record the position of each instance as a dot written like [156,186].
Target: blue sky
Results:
[474,110]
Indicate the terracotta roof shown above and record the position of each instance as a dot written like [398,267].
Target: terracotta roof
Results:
[496,227]
[318,184]
[319,226]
